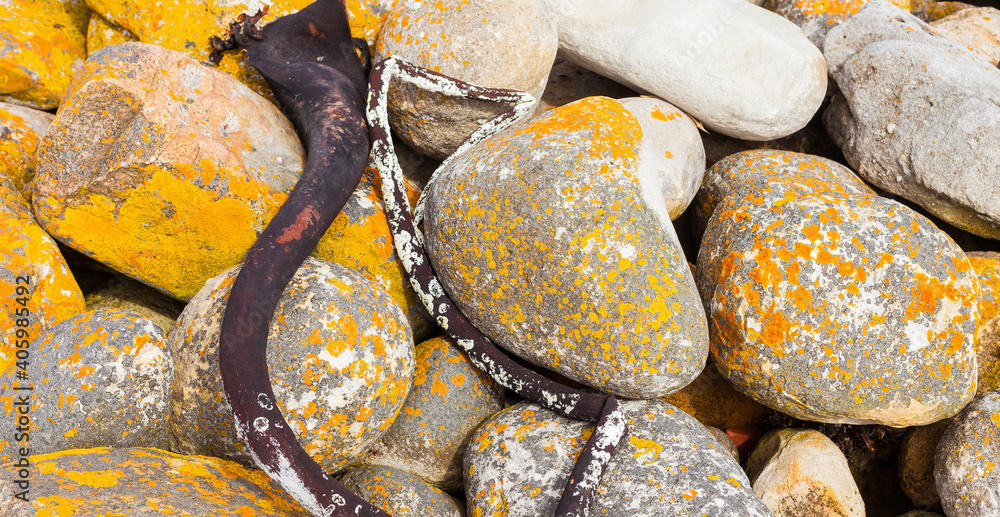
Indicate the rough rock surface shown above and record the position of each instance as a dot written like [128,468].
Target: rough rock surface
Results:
[468,40]
[801,472]
[987,266]
[837,306]
[977,28]
[817,18]
[124,293]
[146,483]
[449,400]
[673,48]
[400,493]
[555,242]
[917,115]
[669,464]
[101,379]
[21,130]
[965,464]
[340,358]
[916,464]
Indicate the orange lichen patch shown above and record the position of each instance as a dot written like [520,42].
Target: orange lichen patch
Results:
[987,267]
[18,143]
[131,481]
[102,33]
[36,287]
[44,47]
[838,10]
[367,17]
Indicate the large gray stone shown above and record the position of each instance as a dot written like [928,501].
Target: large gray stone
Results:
[965,464]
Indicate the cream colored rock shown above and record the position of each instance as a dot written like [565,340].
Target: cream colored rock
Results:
[977,28]
[739,69]
[802,472]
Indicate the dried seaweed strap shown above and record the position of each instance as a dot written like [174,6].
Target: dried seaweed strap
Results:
[309,62]
[583,482]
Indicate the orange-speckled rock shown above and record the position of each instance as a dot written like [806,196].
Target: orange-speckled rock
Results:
[713,401]
[933,10]
[966,473]
[471,40]
[799,472]
[987,266]
[449,400]
[916,464]
[668,464]
[146,483]
[124,293]
[672,150]
[366,17]
[102,33]
[21,130]
[44,44]
[400,493]
[340,357]
[837,306]
[555,242]
[977,28]
[34,278]
[817,17]
[101,379]
[728,174]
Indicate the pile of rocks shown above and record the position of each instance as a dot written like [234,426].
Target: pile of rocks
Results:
[769,229]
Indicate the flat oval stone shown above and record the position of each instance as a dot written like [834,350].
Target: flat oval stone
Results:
[340,357]
[101,379]
[555,243]
[468,40]
[838,307]
[668,464]
[965,468]
[449,400]
[21,130]
[987,266]
[400,493]
[146,483]
[32,262]
[802,472]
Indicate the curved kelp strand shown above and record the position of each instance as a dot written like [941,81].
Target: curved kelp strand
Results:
[309,62]
[409,243]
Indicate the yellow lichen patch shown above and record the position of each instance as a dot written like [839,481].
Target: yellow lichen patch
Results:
[839,9]
[367,16]
[18,143]
[44,47]
[36,287]
[102,33]
[987,267]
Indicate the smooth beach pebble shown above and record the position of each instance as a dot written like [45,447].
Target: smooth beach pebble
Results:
[400,493]
[556,243]
[101,379]
[340,356]
[669,464]
[146,483]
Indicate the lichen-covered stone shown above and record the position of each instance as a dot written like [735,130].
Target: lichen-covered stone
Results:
[672,150]
[340,357]
[737,68]
[916,464]
[100,379]
[713,401]
[555,242]
[977,28]
[817,18]
[366,17]
[102,33]
[726,175]
[124,293]
[36,287]
[21,130]
[799,472]
[987,267]
[837,306]
[668,464]
[43,46]
[965,464]
[471,40]
[724,441]
[400,493]
[916,115]
[933,10]
[145,483]
[449,400]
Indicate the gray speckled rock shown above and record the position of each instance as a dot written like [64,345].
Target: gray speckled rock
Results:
[122,292]
[917,115]
[400,493]
[101,378]
[728,174]
[965,464]
[340,357]
[449,400]
[916,464]
[668,465]
[556,243]
[672,150]
[508,44]
[838,307]
[801,472]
